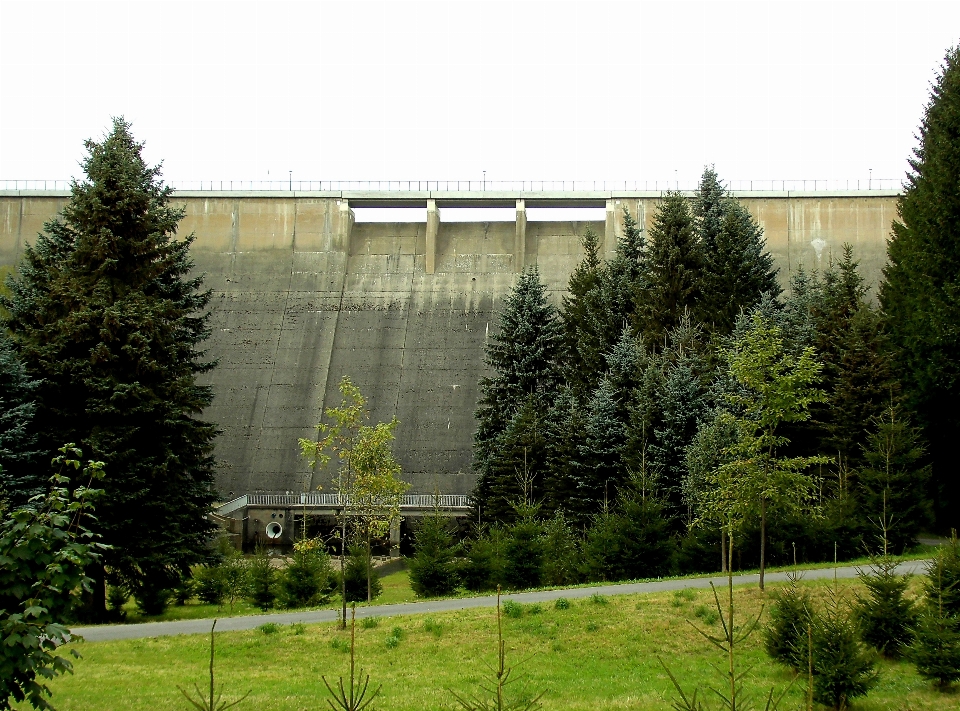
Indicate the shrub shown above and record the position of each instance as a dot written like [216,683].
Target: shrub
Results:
[483,563]
[369,623]
[355,575]
[152,599]
[512,609]
[936,646]
[262,578]
[562,603]
[785,637]
[631,543]
[523,555]
[886,617]
[393,641]
[210,585]
[269,628]
[561,549]
[184,590]
[304,581]
[843,669]
[117,597]
[598,599]
[432,569]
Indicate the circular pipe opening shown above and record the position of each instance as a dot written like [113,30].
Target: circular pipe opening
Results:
[274,530]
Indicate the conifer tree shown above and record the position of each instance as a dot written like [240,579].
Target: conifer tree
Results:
[737,269]
[921,280]
[583,344]
[673,269]
[19,480]
[709,208]
[107,316]
[432,569]
[936,647]
[523,356]
[599,456]
[893,483]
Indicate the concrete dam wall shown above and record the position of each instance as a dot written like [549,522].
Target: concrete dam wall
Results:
[303,295]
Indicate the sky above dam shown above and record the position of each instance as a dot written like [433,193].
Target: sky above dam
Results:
[513,91]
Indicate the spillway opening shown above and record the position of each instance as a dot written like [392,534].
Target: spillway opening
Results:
[566,214]
[390,214]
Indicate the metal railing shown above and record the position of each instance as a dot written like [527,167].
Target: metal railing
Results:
[510,186]
[409,501]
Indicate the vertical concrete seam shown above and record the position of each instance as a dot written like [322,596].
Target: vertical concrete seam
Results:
[403,346]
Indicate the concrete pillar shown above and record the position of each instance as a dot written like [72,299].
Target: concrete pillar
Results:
[520,242]
[347,219]
[610,229]
[395,537]
[433,227]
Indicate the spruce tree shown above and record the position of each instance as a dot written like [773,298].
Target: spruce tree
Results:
[893,483]
[921,280]
[886,616]
[709,208]
[936,647]
[843,668]
[106,314]
[737,270]
[432,568]
[523,356]
[19,477]
[582,344]
[600,469]
[673,269]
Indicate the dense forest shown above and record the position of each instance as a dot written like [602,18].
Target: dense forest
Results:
[678,400]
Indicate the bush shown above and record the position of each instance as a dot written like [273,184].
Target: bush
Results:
[482,566]
[562,603]
[262,578]
[843,669]
[886,617]
[184,590]
[151,598]
[936,646]
[523,555]
[785,637]
[561,549]
[304,581]
[512,609]
[432,569]
[117,597]
[631,543]
[355,575]
[210,585]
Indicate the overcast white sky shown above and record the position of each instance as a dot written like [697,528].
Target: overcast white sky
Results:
[446,90]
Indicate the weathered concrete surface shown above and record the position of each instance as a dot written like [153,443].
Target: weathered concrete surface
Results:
[303,296]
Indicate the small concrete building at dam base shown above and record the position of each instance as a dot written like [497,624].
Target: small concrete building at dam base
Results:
[304,294]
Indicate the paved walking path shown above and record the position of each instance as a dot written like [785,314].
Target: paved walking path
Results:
[160,629]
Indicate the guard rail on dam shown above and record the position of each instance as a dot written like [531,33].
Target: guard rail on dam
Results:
[303,295]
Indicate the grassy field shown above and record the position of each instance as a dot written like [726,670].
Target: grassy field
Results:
[597,654]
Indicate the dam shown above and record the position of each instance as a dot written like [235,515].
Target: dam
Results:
[304,293]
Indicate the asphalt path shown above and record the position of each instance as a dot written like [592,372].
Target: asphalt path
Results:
[105,633]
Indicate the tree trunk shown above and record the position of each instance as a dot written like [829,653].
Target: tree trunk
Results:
[369,566]
[343,577]
[723,550]
[763,538]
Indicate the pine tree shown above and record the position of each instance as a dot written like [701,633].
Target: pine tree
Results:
[19,480]
[106,315]
[524,357]
[737,270]
[886,616]
[709,208]
[432,568]
[673,269]
[920,283]
[583,345]
[893,483]
[599,467]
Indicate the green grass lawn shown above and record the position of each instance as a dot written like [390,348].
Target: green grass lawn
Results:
[593,655]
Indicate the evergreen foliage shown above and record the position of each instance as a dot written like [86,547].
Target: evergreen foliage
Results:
[599,455]
[262,580]
[583,345]
[432,569]
[106,315]
[885,615]
[630,542]
[673,268]
[360,576]
[893,482]
[921,279]
[843,669]
[483,564]
[19,480]
[785,637]
[523,356]
[305,580]
[561,551]
[936,646]
[523,552]
[737,271]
